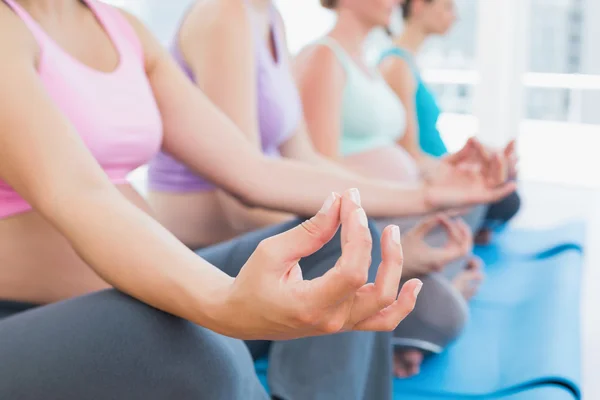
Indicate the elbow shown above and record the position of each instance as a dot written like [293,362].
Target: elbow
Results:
[63,201]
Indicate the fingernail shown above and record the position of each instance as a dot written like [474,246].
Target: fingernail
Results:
[328,203]
[355,196]
[396,234]
[362,217]
[418,288]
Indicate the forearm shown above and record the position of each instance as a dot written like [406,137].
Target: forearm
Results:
[244,219]
[410,144]
[204,138]
[333,165]
[427,164]
[299,188]
[413,203]
[135,254]
[211,145]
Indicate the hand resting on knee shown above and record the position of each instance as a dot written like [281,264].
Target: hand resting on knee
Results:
[270,299]
[421,259]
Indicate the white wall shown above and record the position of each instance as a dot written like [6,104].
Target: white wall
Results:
[590,112]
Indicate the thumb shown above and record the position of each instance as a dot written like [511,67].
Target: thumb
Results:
[308,237]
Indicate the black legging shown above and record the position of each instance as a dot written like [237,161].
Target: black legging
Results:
[503,210]
[108,345]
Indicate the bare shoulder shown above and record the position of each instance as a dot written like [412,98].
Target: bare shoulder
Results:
[134,21]
[317,60]
[17,43]
[150,45]
[396,69]
[215,18]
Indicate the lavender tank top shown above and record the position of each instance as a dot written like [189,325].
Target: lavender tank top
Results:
[279,112]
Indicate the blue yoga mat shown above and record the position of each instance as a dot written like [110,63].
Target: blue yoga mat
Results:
[523,333]
[522,341]
[510,243]
[550,392]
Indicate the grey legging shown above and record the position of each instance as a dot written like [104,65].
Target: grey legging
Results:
[441,311]
[108,345]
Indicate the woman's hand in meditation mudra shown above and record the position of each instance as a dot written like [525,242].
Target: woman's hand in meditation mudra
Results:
[420,258]
[269,299]
[471,176]
[498,165]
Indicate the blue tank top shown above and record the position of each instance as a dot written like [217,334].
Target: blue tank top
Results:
[427,108]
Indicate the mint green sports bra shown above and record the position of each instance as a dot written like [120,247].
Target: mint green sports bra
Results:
[372,115]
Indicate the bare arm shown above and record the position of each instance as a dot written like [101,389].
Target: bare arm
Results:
[321,79]
[201,136]
[45,161]
[400,78]
[300,146]
[218,44]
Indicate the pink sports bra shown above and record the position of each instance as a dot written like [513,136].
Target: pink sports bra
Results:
[115,113]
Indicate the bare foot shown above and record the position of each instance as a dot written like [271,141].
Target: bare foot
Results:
[469,280]
[407,362]
[483,237]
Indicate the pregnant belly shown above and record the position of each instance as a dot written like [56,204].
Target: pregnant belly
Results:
[38,265]
[390,162]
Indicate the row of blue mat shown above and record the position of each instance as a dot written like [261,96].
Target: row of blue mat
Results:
[523,338]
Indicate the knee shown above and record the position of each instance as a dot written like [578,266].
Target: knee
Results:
[446,309]
[513,206]
[189,361]
[458,316]
[439,317]
[504,210]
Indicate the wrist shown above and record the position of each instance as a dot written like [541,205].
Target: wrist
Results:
[426,199]
[428,167]
[212,305]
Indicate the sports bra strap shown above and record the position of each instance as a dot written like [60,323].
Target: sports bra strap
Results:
[31,23]
[338,50]
[117,27]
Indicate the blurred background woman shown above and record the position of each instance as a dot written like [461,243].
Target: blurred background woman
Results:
[422,140]
[355,119]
